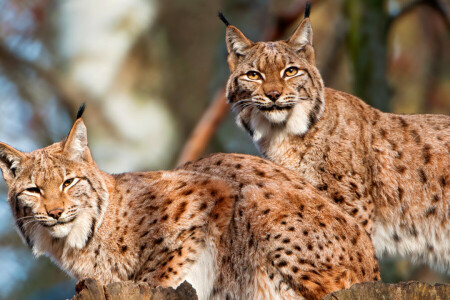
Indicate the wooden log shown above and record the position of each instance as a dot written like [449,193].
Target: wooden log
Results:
[411,290]
[90,289]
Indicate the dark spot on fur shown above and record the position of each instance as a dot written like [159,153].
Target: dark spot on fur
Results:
[203,206]
[323,187]
[396,237]
[430,211]
[338,199]
[401,169]
[268,195]
[403,123]
[426,153]
[260,173]
[180,210]
[415,136]
[188,192]
[422,175]
[266,211]
[442,181]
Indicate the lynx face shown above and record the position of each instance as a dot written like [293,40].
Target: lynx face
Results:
[50,190]
[274,85]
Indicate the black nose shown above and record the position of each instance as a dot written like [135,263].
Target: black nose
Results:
[273,95]
[56,213]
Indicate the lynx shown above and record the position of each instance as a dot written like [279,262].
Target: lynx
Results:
[390,172]
[234,226]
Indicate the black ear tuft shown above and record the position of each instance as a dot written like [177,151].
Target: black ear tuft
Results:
[81,110]
[307,9]
[222,17]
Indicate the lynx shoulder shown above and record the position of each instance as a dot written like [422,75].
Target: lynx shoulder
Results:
[390,172]
[234,226]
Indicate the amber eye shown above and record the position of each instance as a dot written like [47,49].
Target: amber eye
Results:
[68,182]
[252,75]
[34,190]
[292,71]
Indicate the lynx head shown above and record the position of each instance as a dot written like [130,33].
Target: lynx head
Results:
[55,193]
[274,85]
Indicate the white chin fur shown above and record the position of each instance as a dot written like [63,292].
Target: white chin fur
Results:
[298,123]
[78,236]
[60,230]
[287,122]
[277,116]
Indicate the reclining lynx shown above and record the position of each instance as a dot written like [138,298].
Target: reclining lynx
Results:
[390,172]
[234,226]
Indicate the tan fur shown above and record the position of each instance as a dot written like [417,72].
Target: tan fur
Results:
[235,226]
[390,172]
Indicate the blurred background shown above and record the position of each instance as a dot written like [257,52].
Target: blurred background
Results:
[148,70]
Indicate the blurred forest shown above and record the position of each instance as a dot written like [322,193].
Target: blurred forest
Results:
[148,70]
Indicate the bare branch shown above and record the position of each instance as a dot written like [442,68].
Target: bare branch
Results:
[205,128]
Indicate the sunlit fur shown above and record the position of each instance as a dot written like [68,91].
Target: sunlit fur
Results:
[390,172]
[83,202]
[301,100]
[234,226]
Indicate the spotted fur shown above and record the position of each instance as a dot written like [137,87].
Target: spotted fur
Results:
[390,172]
[235,226]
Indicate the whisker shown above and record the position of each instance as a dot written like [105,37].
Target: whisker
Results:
[23,218]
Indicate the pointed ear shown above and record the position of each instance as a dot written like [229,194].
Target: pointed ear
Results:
[302,40]
[10,161]
[302,36]
[76,145]
[237,42]
[237,45]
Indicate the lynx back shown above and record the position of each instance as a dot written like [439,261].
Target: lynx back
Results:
[390,172]
[234,226]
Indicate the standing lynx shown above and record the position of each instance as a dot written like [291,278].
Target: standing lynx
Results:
[234,226]
[390,172]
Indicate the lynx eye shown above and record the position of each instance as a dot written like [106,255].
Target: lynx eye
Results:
[68,182]
[252,75]
[292,71]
